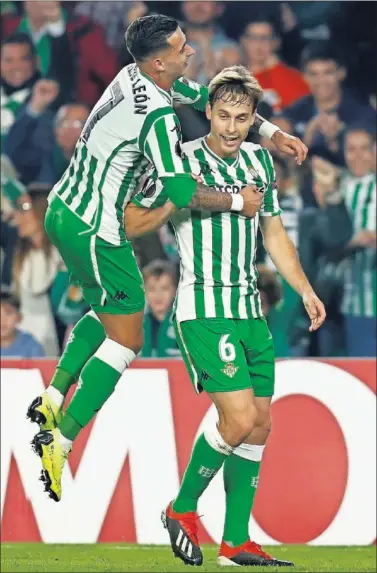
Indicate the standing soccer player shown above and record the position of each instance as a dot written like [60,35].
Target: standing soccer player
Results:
[223,336]
[132,126]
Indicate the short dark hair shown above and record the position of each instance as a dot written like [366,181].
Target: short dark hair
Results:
[321,50]
[149,34]
[160,267]
[19,38]
[11,299]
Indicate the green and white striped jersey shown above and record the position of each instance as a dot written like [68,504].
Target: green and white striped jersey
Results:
[359,299]
[132,126]
[217,250]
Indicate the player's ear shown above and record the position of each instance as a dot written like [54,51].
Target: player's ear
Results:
[208,112]
[158,65]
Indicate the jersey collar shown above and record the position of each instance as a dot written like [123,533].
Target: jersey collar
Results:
[165,94]
[219,159]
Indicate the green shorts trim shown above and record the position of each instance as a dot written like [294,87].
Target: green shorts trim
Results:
[225,355]
[107,274]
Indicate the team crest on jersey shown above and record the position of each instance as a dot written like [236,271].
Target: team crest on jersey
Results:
[230,370]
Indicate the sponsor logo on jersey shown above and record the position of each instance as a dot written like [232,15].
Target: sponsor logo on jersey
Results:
[230,370]
[227,188]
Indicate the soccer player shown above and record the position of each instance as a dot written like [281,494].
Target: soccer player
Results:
[223,336]
[132,125]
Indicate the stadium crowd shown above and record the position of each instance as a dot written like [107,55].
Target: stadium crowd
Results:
[313,61]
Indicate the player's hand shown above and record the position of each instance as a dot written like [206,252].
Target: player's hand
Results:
[315,309]
[44,93]
[252,201]
[290,145]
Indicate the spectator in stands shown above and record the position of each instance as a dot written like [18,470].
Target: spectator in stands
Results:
[214,50]
[281,84]
[321,118]
[355,193]
[114,17]
[44,25]
[18,75]
[96,64]
[271,295]
[160,281]
[15,342]
[36,264]
[40,145]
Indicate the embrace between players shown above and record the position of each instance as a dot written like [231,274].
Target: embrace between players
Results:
[216,191]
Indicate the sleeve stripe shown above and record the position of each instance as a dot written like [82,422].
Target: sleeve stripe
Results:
[149,121]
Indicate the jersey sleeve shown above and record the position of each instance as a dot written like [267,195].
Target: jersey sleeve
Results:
[152,194]
[270,206]
[160,142]
[190,93]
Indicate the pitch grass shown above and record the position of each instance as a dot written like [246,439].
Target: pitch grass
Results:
[134,558]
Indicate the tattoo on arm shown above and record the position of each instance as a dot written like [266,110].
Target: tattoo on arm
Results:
[206,199]
[257,123]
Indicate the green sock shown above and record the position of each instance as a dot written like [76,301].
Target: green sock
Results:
[204,464]
[85,338]
[240,482]
[97,382]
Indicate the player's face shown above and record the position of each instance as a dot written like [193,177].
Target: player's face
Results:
[230,124]
[9,319]
[176,58]
[324,78]
[17,64]
[160,293]
[359,153]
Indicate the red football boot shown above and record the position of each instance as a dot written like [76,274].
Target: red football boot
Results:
[183,532]
[248,554]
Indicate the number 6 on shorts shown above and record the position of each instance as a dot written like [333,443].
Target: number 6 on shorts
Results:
[226,349]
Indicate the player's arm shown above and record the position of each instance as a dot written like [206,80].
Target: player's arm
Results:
[160,142]
[191,93]
[285,257]
[139,221]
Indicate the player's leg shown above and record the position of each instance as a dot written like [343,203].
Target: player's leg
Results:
[63,229]
[112,285]
[216,363]
[241,470]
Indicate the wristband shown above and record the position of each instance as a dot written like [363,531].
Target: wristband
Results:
[237,203]
[268,129]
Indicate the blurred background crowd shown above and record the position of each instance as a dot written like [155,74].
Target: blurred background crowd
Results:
[316,64]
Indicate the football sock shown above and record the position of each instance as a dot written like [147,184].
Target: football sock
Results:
[208,455]
[85,338]
[241,473]
[97,382]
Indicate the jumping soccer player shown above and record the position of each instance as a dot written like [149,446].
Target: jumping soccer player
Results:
[132,126]
[220,328]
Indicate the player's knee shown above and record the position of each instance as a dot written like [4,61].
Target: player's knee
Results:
[241,425]
[136,344]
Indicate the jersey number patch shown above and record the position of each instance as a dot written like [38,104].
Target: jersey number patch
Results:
[116,97]
[226,349]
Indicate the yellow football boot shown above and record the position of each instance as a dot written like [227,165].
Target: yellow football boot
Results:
[44,412]
[53,457]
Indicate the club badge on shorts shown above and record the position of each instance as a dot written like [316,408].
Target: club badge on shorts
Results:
[230,370]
